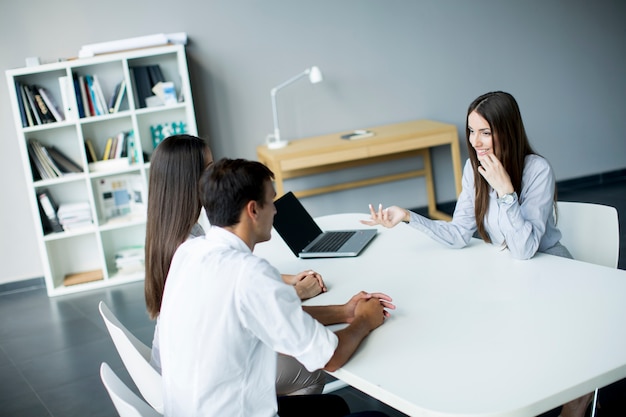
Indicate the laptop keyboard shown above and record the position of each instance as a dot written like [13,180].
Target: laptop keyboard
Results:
[331,242]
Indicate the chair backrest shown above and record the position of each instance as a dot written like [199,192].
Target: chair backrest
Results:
[126,402]
[136,358]
[590,232]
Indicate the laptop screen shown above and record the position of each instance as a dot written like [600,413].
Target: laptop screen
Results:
[294,224]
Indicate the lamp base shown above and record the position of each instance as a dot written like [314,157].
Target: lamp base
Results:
[272,143]
[277,145]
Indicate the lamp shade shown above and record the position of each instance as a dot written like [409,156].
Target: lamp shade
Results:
[315,75]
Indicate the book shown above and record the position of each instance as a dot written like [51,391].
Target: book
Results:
[44,164]
[94,105]
[79,96]
[50,161]
[118,97]
[20,103]
[113,150]
[51,104]
[102,104]
[42,107]
[90,151]
[63,161]
[87,105]
[29,115]
[120,145]
[107,149]
[33,106]
[113,97]
[57,172]
[40,170]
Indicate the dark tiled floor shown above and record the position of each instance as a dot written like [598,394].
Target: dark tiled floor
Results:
[51,348]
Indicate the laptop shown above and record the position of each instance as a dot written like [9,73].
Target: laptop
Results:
[306,240]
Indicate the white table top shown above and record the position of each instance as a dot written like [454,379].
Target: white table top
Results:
[475,332]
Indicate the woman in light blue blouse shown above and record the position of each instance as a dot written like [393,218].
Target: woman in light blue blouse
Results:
[508,195]
[508,192]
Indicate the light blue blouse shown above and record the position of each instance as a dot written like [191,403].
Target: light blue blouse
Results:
[525,226]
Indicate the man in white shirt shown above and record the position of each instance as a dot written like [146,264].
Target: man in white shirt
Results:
[226,312]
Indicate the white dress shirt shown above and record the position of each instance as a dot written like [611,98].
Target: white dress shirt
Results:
[225,314]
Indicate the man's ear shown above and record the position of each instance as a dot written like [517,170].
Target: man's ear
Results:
[252,209]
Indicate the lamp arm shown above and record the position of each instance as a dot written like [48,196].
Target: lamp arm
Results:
[273,92]
[291,80]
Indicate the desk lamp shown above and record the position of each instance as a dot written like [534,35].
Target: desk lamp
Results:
[273,140]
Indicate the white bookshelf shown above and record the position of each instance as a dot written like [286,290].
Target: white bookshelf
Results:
[93,247]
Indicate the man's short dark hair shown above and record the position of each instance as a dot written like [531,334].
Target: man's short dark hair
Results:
[227,186]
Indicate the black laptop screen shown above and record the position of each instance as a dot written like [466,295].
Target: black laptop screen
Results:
[294,224]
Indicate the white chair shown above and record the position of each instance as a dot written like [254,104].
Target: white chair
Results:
[126,402]
[590,232]
[136,358]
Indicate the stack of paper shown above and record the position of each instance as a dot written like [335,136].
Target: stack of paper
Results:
[129,260]
[74,215]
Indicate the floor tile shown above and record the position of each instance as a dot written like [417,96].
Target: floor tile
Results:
[13,383]
[82,397]
[26,405]
[50,370]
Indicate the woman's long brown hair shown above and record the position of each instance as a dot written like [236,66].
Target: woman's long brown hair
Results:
[173,207]
[502,113]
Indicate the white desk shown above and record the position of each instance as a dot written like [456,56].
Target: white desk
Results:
[475,333]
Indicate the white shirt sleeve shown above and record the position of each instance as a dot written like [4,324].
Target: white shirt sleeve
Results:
[272,311]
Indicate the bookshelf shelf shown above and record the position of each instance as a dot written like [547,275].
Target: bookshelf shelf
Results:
[87,211]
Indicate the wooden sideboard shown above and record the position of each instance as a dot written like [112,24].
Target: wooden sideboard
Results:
[326,153]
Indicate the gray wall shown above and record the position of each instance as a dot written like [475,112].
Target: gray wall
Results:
[383,62]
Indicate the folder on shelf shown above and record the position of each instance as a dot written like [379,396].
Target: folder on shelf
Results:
[141,81]
[68,98]
[49,207]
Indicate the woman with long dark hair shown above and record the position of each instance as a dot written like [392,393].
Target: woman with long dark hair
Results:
[508,195]
[174,208]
